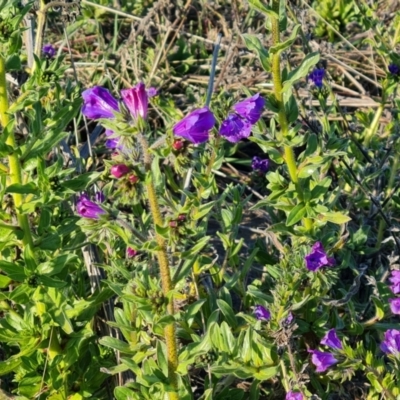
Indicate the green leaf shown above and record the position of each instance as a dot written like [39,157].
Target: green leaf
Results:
[321,188]
[162,357]
[124,393]
[116,345]
[379,307]
[296,214]
[27,188]
[82,182]
[336,218]
[287,43]
[301,71]
[192,311]
[254,44]
[264,9]
[227,312]
[10,365]
[263,374]
[14,271]
[13,62]
[203,210]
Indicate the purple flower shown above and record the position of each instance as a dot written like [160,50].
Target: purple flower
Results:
[259,164]
[195,126]
[318,258]
[294,396]
[87,208]
[331,340]
[136,99]
[98,102]
[317,76]
[131,252]
[48,50]
[151,92]
[235,128]
[289,319]
[394,69]
[395,305]
[251,108]
[394,279]
[391,344]
[119,170]
[322,360]
[99,197]
[261,313]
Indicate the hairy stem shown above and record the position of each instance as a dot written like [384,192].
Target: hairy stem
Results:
[15,171]
[169,331]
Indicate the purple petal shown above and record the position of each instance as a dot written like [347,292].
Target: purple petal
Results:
[395,305]
[48,50]
[261,313]
[251,108]
[322,360]
[88,209]
[98,102]
[318,258]
[293,396]
[259,164]
[391,344]
[136,100]
[235,128]
[331,339]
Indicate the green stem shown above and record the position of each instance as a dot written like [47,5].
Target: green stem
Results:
[166,282]
[283,122]
[371,131]
[15,171]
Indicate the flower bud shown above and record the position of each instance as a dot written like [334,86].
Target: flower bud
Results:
[119,170]
[178,145]
[173,224]
[133,179]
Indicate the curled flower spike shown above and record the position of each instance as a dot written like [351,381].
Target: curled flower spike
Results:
[195,126]
[261,313]
[317,76]
[394,69]
[131,252]
[235,128]
[391,343]
[251,108]
[48,50]
[322,360]
[331,340]
[395,305]
[98,102]
[394,279]
[87,208]
[119,170]
[259,164]
[318,258]
[136,99]
[293,396]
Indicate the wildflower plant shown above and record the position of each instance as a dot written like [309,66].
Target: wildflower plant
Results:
[132,262]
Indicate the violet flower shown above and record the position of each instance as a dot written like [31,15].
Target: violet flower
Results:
[119,170]
[195,126]
[87,208]
[293,396]
[151,92]
[391,344]
[259,164]
[136,100]
[48,50]
[289,319]
[235,128]
[131,252]
[317,76]
[318,258]
[331,339]
[395,305]
[251,108]
[322,360]
[98,102]
[394,279]
[394,69]
[261,313]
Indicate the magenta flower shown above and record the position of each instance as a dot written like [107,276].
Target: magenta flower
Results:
[87,208]
[395,305]
[131,252]
[317,76]
[322,360]
[259,164]
[195,126]
[294,396]
[251,108]
[391,344]
[261,313]
[318,258]
[136,100]
[119,170]
[331,340]
[235,128]
[98,102]
[48,50]
[395,282]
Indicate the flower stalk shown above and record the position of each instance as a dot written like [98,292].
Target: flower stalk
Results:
[15,171]
[166,282]
[290,158]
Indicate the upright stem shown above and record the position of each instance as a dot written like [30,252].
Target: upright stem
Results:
[371,131]
[15,172]
[169,331]
[283,122]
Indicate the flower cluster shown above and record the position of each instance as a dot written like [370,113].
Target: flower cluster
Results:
[317,77]
[318,258]
[394,279]
[323,360]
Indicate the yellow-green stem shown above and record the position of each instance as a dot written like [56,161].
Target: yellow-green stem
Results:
[371,131]
[15,171]
[166,282]
[283,122]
